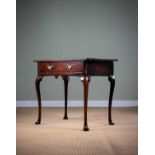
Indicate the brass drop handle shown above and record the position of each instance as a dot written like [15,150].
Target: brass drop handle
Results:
[49,67]
[69,66]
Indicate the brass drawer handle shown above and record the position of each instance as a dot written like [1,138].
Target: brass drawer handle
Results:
[69,66]
[49,67]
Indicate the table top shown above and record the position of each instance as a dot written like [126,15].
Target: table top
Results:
[86,59]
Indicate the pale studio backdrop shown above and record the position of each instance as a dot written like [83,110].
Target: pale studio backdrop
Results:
[68,29]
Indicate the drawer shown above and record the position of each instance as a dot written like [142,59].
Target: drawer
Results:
[59,68]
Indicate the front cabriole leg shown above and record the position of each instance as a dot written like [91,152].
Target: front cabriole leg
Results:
[85,79]
[111,78]
[37,84]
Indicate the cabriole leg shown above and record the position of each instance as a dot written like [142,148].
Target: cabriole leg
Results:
[85,81]
[37,84]
[66,79]
[111,78]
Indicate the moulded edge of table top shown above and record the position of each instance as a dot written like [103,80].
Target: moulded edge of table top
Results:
[87,59]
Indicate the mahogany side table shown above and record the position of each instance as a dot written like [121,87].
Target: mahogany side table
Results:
[84,68]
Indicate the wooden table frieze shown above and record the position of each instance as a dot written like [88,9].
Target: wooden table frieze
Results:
[84,68]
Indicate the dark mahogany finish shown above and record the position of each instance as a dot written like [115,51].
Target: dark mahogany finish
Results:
[85,79]
[66,79]
[111,78]
[83,68]
[60,68]
[37,83]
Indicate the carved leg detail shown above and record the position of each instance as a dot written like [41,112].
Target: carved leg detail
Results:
[85,81]
[37,84]
[112,85]
[66,79]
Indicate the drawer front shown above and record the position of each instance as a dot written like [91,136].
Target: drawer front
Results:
[100,68]
[59,68]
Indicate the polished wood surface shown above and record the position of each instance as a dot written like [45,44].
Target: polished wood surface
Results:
[85,79]
[111,78]
[37,83]
[66,79]
[84,68]
[60,68]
